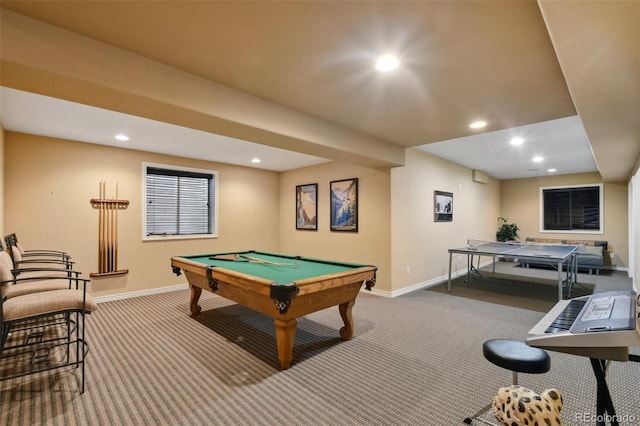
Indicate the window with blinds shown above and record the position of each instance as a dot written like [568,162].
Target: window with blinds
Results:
[572,209]
[179,202]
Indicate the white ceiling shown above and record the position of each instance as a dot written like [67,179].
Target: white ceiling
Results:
[45,116]
[561,142]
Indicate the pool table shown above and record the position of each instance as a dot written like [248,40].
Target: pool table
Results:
[280,286]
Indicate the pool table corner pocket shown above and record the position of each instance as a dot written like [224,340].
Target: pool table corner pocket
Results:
[283,294]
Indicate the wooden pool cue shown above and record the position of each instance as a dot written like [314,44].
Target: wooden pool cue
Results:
[106,230]
[115,233]
[107,242]
[109,245]
[114,206]
[99,226]
[100,231]
[239,258]
[105,221]
[112,237]
[266,262]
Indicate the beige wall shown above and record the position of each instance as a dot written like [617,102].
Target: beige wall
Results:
[419,246]
[370,245]
[520,204]
[2,184]
[49,183]
[634,231]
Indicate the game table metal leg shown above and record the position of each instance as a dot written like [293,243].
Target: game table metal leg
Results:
[449,282]
[575,268]
[560,280]
[471,268]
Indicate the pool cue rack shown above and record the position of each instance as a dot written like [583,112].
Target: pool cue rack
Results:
[108,209]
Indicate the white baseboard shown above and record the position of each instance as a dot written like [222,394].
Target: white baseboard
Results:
[158,290]
[422,285]
[620,268]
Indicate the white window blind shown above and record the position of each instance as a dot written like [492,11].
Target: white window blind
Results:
[179,202]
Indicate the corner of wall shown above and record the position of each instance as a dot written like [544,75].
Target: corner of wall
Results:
[2,156]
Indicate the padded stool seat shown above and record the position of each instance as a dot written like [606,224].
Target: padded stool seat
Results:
[516,356]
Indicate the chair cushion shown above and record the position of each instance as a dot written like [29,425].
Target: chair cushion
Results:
[44,303]
[29,287]
[516,356]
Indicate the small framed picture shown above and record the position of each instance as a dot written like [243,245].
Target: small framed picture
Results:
[307,207]
[344,205]
[442,206]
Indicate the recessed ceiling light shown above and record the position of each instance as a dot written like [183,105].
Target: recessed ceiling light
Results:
[387,63]
[255,160]
[122,137]
[517,141]
[478,124]
[537,159]
[552,170]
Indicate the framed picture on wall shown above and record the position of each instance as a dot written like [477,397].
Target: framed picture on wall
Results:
[307,207]
[442,206]
[344,205]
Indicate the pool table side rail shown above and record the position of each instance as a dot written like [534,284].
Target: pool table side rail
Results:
[364,274]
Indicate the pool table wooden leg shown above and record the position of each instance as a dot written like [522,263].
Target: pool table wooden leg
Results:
[346,332]
[285,335]
[195,296]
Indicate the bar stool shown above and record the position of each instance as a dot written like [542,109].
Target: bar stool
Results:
[515,356]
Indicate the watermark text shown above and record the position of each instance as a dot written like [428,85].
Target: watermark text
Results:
[606,418]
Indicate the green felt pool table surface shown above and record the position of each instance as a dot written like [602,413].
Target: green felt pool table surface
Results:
[282,269]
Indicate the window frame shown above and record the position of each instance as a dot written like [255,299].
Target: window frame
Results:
[600,230]
[213,211]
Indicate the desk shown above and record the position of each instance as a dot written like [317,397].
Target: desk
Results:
[292,287]
[556,255]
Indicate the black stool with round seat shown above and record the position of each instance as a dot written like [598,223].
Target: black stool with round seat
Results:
[515,356]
